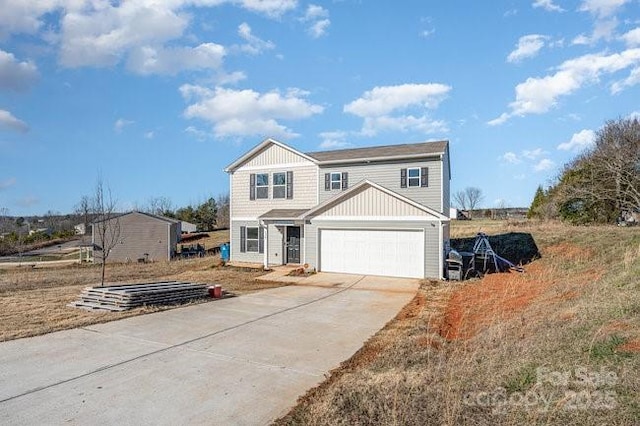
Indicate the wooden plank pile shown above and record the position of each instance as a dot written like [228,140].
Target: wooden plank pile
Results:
[128,296]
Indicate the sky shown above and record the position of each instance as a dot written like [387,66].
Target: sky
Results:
[156,97]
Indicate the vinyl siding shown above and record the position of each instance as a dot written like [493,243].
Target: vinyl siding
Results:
[446,183]
[371,201]
[430,228]
[274,154]
[140,234]
[236,255]
[275,244]
[387,174]
[304,191]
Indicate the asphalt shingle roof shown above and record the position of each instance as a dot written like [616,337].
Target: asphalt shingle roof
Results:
[371,153]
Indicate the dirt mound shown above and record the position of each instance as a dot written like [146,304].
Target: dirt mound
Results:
[517,247]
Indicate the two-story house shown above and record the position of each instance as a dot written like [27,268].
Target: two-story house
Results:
[376,211]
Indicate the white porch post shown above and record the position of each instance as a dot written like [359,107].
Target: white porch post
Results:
[266,246]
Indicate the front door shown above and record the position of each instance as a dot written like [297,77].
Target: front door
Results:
[293,244]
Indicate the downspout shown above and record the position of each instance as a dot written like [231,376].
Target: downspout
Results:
[265,245]
[168,241]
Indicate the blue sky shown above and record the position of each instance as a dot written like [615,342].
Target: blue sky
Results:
[157,97]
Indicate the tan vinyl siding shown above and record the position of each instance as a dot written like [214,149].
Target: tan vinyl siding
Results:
[274,154]
[236,255]
[388,175]
[430,228]
[371,201]
[140,234]
[304,191]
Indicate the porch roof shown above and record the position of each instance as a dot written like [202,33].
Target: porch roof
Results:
[283,214]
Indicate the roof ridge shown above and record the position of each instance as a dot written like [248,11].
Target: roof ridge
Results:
[377,146]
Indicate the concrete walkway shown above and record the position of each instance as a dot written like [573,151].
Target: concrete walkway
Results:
[241,361]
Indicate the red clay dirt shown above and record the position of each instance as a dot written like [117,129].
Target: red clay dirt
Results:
[630,346]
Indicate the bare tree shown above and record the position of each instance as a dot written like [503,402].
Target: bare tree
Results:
[222,218]
[468,198]
[161,206]
[106,226]
[83,209]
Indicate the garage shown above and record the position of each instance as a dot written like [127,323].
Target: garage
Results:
[394,253]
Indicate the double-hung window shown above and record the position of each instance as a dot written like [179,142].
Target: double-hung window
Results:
[279,185]
[252,239]
[262,186]
[336,181]
[413,176]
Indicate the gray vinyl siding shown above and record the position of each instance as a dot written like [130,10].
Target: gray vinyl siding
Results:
[236,255]
[387,174]
[446,182]
[431,245]
[140,234]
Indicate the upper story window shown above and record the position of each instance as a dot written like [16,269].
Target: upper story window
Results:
[279,185]
[413,176]
[336,181]
[262,186]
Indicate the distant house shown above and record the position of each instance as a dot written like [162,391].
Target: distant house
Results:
[46,231]
[80,229]
[141,237]
[187,227]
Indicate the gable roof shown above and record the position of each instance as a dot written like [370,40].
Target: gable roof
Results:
[153,216]
[387,152]
[261,146]
[354,189]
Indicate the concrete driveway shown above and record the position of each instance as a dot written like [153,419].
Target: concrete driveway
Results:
[242,360]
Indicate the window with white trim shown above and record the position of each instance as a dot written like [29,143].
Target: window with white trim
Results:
[336,181]
[252,239]
[279,185]
[413,176]
[262,186]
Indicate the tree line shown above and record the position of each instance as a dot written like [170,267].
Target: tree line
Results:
[601,185]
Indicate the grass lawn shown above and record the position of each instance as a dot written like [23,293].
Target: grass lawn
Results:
[556,345]
[33,301]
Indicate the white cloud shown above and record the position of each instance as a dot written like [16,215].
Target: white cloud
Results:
[334,140]
[631,80]
[380,108]
[528,47]
[254,45]
[7,183]
[200,135]
[533,154]
[148,60]
[16,75]
[150,134]
[317,17]
[603,29]
[539,95]
[632,38]
[635,115]
[271,8]
[247,112]
[602,8]
[223,78]
[544,165]
[120,124]
[10,122]
[511,157]
[547,5]
[579,141]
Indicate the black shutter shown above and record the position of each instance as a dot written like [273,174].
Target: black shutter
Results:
[252,186]
[327,181]
[243,239]
[424,176]
[403,178]
[345,180]
[260,239]
[289,185]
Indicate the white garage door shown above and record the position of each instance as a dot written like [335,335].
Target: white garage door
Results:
[373,252]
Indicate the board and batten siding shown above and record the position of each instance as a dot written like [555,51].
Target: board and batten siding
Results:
[140,234]
[433,268]
[370,201]
[387,174]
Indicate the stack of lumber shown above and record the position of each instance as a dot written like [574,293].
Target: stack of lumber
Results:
[129,296]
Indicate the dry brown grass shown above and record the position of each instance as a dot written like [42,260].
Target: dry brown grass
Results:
[33,301]
[462,353]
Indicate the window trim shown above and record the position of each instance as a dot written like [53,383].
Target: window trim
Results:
[283,186]
[417,179]
[262,186]
[247,239]
[332,180]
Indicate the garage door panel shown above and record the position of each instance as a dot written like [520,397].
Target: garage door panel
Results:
[398,253]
